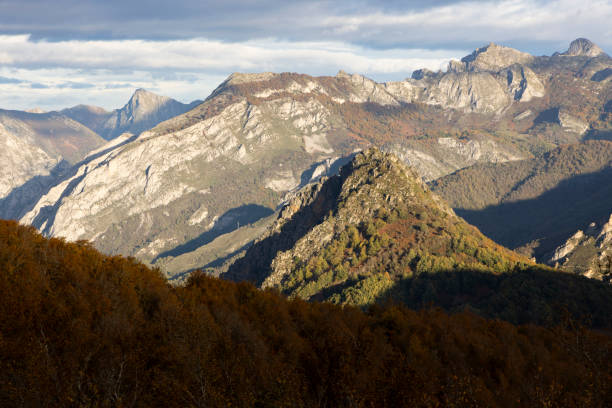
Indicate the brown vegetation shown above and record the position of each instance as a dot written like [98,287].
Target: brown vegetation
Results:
[81,329]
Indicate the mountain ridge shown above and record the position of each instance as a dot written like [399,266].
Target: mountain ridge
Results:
[143,111]
[344,231]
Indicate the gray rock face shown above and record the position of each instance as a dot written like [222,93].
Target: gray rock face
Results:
[486,81]
[451,154]
[583,47]
[469,91]
[523,83]
[588,252]
[494,57]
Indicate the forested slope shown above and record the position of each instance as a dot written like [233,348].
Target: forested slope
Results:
[78,328]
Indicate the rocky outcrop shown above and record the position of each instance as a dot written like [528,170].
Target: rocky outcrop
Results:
[587,253]
[523,83]
[493,57]
[571,123]
[584,48]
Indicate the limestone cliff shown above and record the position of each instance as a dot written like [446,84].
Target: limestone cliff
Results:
[587,252]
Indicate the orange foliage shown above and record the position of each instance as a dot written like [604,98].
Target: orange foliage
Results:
[78,328]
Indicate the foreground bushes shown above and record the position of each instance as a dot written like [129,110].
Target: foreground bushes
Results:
[78,328]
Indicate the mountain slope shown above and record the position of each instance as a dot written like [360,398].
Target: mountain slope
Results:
[537,203]
[91,116]
[34,143]
[351,237]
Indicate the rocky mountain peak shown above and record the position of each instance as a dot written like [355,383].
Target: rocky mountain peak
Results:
[143,111]
[143,101]
[343,74]
[583,47]
[374,222]
[493,57]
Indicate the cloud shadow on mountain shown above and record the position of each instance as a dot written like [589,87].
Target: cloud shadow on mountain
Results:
[534,295]
[551,217]
[230,221]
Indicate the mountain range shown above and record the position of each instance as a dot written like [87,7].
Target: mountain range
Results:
[197,189]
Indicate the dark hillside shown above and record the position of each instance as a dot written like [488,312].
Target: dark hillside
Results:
[545,199]
[82,329]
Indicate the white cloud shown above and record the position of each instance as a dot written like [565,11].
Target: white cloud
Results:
[92,72]
[202,54]
[508,20]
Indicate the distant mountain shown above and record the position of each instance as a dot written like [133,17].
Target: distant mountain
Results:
[583,47]
[352,237]
[536,204]
[93,117]
[197,188]
[143,111]
[33,144]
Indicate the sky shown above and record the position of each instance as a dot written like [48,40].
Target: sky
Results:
[60,53]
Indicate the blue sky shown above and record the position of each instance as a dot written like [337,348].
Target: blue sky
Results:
[55,54]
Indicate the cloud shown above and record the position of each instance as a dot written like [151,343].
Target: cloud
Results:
[185,69]
[508,21]
[202,54]
[440,24]
[5,80]
[119,86]
[75,85]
